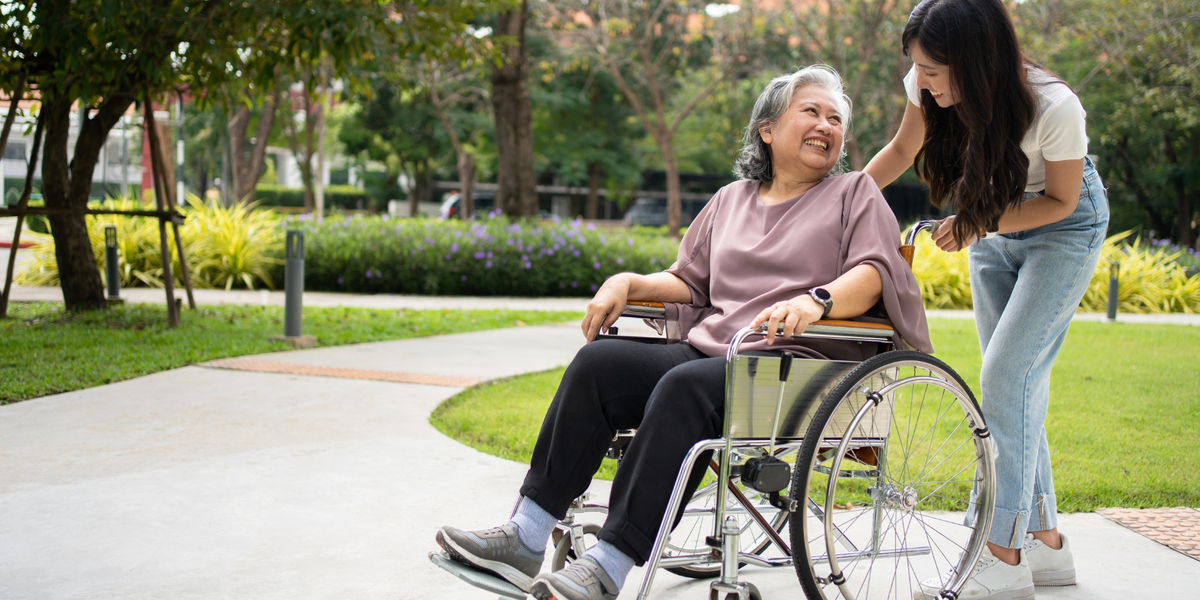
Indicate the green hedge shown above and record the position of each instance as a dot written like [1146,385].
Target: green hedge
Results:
[336,196]
[495,256]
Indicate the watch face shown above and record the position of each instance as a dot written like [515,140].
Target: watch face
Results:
[823,294]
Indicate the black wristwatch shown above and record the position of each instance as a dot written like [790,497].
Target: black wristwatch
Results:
[822,296]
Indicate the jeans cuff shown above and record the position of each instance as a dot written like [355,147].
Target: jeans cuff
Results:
[1043,514]
[1008,528]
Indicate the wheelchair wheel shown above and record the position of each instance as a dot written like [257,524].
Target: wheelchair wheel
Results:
[688,538]
[897,474]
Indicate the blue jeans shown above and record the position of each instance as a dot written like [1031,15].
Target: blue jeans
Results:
[1026,287]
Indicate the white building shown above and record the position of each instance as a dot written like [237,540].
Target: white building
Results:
[118,168]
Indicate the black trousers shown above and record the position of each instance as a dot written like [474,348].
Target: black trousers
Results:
[673,394]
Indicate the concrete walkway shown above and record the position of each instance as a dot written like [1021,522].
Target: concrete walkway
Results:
[203,483]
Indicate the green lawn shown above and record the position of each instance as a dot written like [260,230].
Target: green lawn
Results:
[45,351]
[1124,420]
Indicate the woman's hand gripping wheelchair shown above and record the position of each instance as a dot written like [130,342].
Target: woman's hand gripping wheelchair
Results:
[883,469]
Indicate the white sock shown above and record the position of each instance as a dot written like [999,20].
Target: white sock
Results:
[614,562]
[534,524]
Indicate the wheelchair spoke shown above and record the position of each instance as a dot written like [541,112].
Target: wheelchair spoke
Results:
[937,451]
[944,407]
[914,422]
[938,488]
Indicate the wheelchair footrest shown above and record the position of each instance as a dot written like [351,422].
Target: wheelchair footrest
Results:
[479,579]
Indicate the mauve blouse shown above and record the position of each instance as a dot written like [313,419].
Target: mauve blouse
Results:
[740,256]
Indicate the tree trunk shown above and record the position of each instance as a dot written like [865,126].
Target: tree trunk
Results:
[674,202]
[166,152]
[17,92]
[246,172]
[236,127]
[306,169]
[202,186]
[593,198]
[302,151]
[319,177]
[422,185]
[1184,208]
[466,185]
[421,188]
[466,164]
[1129,177]
[413,202]
[516,192]
[67,185]
[855,155]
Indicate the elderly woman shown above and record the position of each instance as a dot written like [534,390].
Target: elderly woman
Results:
[787,245]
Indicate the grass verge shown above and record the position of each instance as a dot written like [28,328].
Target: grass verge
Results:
[1124,419]
[46,350]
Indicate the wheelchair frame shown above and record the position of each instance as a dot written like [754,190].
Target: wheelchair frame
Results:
[815,444]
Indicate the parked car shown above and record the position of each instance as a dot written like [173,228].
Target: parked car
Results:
[452,209]
[653,211]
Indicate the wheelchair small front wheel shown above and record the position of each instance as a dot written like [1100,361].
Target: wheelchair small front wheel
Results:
[565,551]
[897,474]
[752,593]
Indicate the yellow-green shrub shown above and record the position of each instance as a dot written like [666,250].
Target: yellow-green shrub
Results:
[1151,278]
[225,247]
[943,276]
[233,246]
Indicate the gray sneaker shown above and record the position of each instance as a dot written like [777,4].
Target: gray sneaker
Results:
[583,579]
[497,550]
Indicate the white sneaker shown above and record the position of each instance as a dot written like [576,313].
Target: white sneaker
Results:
[1049,566]
[993,579]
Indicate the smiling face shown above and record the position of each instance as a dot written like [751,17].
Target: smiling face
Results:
[933,77]
[806,141]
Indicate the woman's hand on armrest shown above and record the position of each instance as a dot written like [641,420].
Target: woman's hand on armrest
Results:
[609,302]
[854,293]
[795,314]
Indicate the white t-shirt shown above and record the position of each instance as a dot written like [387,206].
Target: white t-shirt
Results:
[1058,131]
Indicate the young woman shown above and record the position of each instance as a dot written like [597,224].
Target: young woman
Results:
[1003,141]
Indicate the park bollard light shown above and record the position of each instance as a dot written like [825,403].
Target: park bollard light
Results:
[112,271]
[293,291]
[1114,286]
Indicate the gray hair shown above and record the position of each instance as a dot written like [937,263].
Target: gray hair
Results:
[754,162]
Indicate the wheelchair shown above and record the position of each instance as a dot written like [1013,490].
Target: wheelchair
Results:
[881,472]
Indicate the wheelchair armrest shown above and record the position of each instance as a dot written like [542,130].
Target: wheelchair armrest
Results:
[847,331]
[836,329]
[654,315]
[645,310]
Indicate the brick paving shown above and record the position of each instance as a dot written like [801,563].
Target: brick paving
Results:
[262,366]
[1178,528]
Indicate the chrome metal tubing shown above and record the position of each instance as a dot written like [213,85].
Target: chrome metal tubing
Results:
[815,332]
[664,528]
[911,237]
[736,510]
[758,561]
[829,497]
[684,560]
[917,551]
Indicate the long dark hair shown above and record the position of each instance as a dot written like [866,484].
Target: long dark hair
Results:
[972,155]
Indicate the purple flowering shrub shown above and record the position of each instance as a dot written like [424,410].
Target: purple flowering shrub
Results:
[491,256]
[1188,258]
